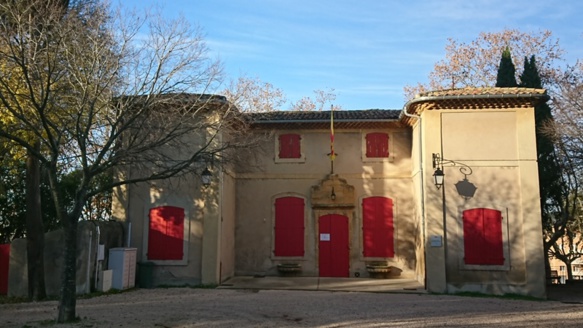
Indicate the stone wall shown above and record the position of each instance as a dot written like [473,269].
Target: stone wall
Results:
[110,234]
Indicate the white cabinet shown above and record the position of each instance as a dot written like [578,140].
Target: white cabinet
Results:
[123,263]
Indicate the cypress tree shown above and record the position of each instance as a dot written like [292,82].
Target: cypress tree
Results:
[506,71]
[549,171]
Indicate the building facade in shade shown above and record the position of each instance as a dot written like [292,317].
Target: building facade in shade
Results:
[352,193]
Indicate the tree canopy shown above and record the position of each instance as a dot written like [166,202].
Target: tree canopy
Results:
[102,90]
[475,64]
[506,77]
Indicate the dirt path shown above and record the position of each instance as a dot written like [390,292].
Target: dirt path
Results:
[186,307]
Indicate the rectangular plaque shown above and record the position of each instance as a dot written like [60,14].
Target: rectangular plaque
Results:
[324,237]
[435,241]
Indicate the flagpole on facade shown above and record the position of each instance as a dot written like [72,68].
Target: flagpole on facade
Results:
[332,153]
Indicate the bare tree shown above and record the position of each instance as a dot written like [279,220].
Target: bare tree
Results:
[568,106]
[475,64]
[564,232]
[253,95]
[99,95]
[569,247]
[323,99]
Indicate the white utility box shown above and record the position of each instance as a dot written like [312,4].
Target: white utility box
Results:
[122,261]
[105,279]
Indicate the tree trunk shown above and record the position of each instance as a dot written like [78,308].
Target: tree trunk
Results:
[569,270]
[34,230]
[546,249]
[68,300]
[70,220]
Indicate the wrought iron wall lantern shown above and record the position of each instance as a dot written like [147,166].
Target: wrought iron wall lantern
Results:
[206,177]
[438,177]
[465,188]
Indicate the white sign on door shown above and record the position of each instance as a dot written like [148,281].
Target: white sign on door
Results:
[324,237]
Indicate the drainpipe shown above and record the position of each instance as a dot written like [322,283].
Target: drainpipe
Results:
[88,275]
[421,163]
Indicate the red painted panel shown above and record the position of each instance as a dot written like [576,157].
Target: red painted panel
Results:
[289,146]
[483,242]
[377,144]
[333,254]
[378,227]
[166,233]
[289,226]
[325,247]
[494,254]
[4,268]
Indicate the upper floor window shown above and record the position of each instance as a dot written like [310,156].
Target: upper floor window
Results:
[290,146]
[377,145]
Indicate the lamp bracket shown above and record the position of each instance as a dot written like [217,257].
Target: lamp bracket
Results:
[439,163]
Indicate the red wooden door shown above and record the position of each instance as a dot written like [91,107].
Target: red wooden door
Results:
[333,246]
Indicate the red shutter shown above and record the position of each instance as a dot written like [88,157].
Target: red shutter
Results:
[493,237]
[289,226]
[472,220]
[166,233]
[4,268]
[483,243]
[289,146]
[377,227]
[377,144]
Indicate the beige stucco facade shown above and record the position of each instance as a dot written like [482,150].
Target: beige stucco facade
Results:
[231,224]
[265,179]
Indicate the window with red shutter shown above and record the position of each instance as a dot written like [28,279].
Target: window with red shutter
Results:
[377,227]
[290,146]
[377,145]
[166,233]
[483,242]
[289,226]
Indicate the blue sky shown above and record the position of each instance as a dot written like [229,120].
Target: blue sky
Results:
[366,50]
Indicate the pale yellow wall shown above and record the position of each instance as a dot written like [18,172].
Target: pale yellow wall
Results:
[227,260]
[181,192]
[260,182]
[203,226]
[499,148]
[417,180]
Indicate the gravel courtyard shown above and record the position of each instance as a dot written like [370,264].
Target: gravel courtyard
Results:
[187,307]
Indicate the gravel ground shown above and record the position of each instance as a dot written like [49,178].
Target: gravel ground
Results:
[187,307]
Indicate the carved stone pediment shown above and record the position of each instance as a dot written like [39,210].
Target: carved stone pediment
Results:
[333,192]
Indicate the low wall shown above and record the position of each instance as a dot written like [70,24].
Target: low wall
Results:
[109,234]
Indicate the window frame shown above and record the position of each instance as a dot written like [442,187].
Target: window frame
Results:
[280,160]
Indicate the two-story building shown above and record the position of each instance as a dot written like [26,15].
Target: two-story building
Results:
[444,190]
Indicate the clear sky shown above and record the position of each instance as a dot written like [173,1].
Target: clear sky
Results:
[366,50]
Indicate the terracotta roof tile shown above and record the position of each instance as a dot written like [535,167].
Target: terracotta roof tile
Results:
[313,116]
[343,119]
[482,92]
